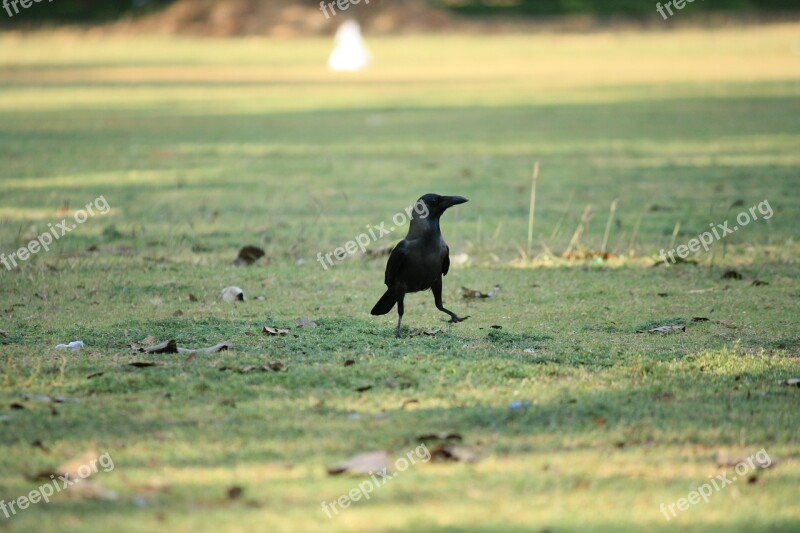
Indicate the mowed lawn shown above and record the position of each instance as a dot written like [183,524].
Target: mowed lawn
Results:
[201,147]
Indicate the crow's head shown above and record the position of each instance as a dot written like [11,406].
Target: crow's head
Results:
[432,205]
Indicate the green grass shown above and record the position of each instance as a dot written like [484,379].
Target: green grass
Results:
[201,147]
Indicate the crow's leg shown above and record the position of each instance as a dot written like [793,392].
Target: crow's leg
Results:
[436,288]
[399,314]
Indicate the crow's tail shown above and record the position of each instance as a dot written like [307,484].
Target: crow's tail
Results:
[385,304]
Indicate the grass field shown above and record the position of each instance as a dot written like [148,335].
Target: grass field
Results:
[203,146]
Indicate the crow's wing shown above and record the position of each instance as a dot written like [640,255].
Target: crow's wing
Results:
[446,262]
[397,260]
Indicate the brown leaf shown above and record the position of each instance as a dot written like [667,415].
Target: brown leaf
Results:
[362,464]
[139,345]
[304,322]
[314,402]
[731,274]
[248,255]
[447,452]
[429,332]
[442,435]
[267,330]
[169,346]
[78,464]
[472,294]
[39,444]
[275,366]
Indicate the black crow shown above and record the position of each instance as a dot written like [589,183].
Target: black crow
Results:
[419,261]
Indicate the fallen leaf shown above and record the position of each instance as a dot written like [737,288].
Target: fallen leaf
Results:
[274,331]
[275,366]
[222,346]
[447,452]
[147,341]
[47,398]
[667,329]
[441,436]
[170,346]
[248,255]
[362,464]
[428,332]
[232,294]
[304,322]
[731,274]
[39,444]
[74,466]
[228,402]
[473,294]
[314,402]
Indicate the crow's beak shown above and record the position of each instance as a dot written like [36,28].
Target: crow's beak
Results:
[450,201]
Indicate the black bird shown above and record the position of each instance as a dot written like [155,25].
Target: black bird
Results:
[419,261]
